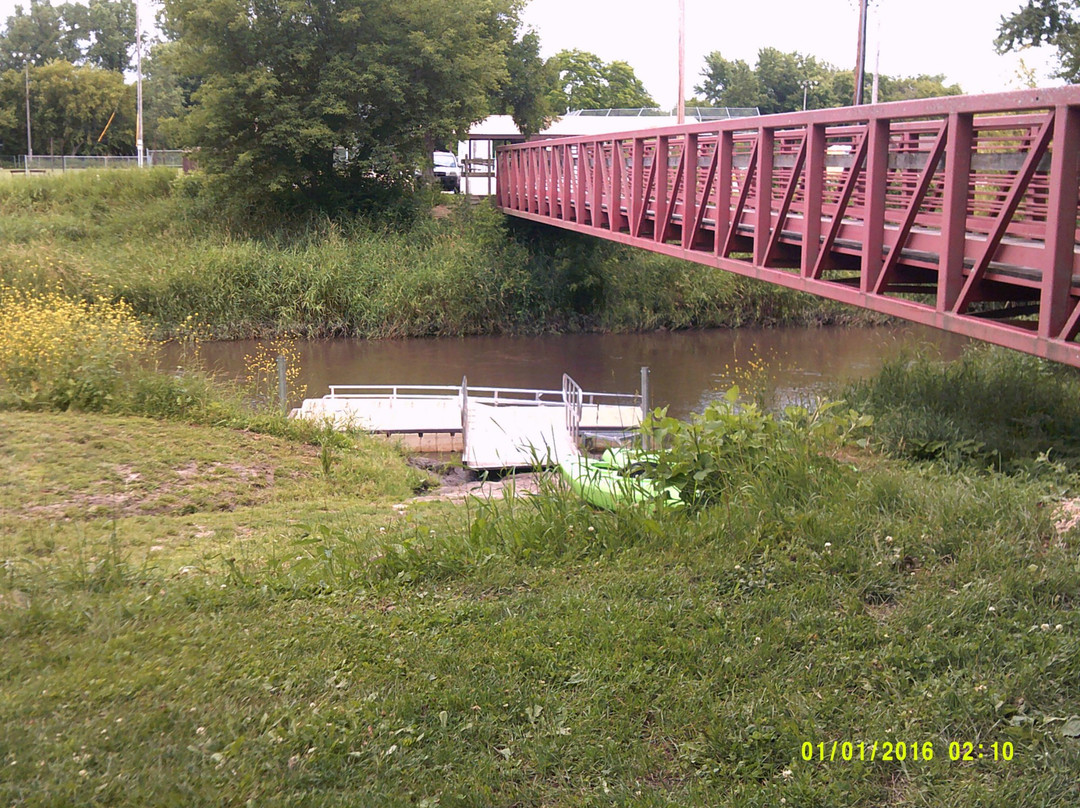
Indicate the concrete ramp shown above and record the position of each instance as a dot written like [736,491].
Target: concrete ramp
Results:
[515,436]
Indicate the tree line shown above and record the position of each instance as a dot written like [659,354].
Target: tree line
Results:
[307,99]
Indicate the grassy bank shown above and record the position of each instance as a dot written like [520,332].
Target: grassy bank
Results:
[154,240]
[239,635]
[201,615]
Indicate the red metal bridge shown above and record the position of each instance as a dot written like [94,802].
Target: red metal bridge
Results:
[959,213]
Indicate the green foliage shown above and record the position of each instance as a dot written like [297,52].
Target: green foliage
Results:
[585,81]
[1050,22]
[285,90]
[776,83]
[992,407]
[525,95]
[100,33]
[734,450]
[316,646]
[164,244]
[70,108]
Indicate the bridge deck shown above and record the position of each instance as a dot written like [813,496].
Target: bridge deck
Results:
[960,213]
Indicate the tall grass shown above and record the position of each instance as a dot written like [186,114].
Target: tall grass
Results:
[991,407]
[161,243]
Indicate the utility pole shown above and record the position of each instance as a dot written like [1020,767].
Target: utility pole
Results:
[681,108]
[877,63]
[138,87]
[860,56]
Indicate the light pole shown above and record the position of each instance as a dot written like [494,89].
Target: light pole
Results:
[29,142]
[806,85]
[138,87]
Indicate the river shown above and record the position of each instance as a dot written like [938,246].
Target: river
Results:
[688,368]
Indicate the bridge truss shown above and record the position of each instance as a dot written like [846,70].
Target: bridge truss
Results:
[959,213]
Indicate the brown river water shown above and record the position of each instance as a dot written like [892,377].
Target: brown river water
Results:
[687,368]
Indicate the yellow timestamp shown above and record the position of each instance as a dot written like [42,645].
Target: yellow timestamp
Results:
[901,751]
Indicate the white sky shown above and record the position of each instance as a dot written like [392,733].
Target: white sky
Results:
[954,37]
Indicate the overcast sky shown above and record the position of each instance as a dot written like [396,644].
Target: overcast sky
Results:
[954,37]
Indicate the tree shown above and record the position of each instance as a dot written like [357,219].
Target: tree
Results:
[111,25]
[774,84]
[34,36]
[70,107]
[287,88]
[526,94]
[777,82]
[1049,22]
[585,81]
[909,88]
[166,97]
[101,34]
[729,83]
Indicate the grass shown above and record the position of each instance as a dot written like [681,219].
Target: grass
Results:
[992,407]
[155,240]
[303,641]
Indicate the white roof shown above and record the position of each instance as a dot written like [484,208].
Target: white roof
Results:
[574,125]
[497,127]
[494,127]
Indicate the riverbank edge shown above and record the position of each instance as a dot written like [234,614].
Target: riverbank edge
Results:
[456,269]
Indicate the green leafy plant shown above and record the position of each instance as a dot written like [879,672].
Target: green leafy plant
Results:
[735,446]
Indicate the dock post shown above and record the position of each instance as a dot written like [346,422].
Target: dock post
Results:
[644,391]
[282,390]
[644,401]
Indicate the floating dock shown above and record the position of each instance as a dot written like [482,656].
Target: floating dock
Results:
[492,427]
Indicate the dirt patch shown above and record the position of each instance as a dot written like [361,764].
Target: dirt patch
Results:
[457,485]
[190,488]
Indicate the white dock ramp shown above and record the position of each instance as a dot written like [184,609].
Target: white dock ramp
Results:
[514,437]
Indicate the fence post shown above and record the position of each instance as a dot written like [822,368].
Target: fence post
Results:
[282,391]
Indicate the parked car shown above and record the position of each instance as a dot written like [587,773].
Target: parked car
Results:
[447,170]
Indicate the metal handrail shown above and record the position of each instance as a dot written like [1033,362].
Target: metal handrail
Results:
[495,394]
[571,393]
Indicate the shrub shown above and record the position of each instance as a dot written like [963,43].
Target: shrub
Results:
[60,353]
[737,450]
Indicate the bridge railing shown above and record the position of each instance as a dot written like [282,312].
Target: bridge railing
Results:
[956,212]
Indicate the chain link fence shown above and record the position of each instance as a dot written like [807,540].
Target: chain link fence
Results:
[60,163]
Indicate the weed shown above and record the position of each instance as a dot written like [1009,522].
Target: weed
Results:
[991,408]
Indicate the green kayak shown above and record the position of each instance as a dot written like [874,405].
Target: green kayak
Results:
[619,476]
